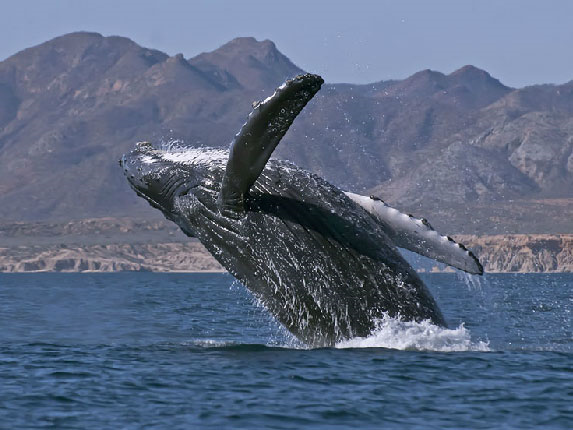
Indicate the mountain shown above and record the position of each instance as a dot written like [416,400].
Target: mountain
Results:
[71,106]
[247,63]
[452,147]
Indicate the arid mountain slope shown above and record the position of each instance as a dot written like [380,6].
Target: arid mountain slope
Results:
[449,147]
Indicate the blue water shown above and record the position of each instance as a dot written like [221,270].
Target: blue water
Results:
[180,351]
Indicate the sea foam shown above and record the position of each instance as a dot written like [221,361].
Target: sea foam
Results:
[394,333]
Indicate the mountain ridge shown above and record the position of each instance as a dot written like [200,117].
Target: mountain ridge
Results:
[452,144]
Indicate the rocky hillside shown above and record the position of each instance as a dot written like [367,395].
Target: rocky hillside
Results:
[110,245]
[463,150]
[101,245]
[149,257]
[531,253]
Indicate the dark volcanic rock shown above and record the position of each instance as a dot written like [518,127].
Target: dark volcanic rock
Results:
[452,145]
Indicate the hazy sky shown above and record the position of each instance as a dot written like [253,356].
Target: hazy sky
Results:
[520,42]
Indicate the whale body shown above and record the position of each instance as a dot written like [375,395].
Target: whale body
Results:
[323,262]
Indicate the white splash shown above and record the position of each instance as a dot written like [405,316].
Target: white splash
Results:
[146,159]
[195,156]
[472,282]
[393,333]
[172,144]
[210,343]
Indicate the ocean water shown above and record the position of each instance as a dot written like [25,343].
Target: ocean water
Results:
[183,351]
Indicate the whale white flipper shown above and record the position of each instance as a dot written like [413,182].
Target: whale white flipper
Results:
[417,235]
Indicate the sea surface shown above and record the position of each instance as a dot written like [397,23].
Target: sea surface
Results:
[185,351]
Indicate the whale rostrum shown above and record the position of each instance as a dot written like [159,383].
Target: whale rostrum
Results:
[323,262]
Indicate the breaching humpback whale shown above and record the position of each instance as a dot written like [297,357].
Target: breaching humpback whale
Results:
[324,262]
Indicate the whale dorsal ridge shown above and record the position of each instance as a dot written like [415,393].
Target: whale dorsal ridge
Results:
[259,136]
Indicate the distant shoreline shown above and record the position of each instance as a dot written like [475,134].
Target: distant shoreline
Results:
[215,272]
[520,253]
[106,245]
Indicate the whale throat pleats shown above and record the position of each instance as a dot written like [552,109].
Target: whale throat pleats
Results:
[259,136]
[417,235]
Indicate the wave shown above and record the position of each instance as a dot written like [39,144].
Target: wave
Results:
[394,333]
[217,345]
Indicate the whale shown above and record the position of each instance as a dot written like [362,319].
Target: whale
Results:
[324,262]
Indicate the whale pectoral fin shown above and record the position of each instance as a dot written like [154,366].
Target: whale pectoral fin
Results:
[417,235]
[259,136]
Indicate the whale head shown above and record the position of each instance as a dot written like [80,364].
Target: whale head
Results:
[161,176]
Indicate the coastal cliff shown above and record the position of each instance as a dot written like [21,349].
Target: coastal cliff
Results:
[524,253]
[147,257]
[115,244]
[101,245]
